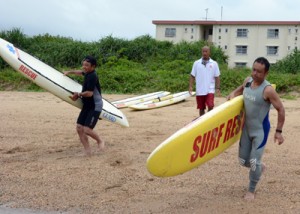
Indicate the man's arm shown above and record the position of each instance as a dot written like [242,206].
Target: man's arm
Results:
[238,91]
[75,95]
[217,85]
[191,83]
[76,72]
[271,95]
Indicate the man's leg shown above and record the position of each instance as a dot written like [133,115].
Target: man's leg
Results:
[210,101]
[90,123]
[201,112]
[244,156]
[83,139]
[90,132]
[256,167]
[201,104]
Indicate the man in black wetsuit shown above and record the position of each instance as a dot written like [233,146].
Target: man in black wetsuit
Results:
[92,104]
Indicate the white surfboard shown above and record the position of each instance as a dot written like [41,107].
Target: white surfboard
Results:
[53,81]
[138,99]
[162,101]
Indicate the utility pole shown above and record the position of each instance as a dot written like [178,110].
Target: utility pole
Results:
[206,13]
[221,13]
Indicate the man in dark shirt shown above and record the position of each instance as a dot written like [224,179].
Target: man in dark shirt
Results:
[92,104]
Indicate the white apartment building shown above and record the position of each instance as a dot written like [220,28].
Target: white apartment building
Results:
[242,41]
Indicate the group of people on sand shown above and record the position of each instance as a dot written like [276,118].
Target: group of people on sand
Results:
[258,96]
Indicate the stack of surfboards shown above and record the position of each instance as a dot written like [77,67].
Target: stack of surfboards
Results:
[139,99]
[162,101]
[53,81]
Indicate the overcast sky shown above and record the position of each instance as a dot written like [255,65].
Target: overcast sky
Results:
[91,20]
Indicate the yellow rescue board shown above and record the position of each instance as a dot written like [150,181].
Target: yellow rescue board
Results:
[199,141]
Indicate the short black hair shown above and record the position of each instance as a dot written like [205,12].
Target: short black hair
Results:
[91,60]
[264,61]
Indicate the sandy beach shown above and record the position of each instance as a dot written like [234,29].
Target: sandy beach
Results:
[43,169]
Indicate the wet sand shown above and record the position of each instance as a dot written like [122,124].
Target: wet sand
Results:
[43,169]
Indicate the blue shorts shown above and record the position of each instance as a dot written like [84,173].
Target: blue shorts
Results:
[88,117]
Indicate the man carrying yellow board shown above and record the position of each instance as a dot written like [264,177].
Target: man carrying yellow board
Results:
[258,96]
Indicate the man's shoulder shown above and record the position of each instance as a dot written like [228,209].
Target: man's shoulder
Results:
[198,61]
[91,74]
[212,61]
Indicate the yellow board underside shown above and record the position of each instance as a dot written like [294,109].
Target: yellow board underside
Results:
[199,141]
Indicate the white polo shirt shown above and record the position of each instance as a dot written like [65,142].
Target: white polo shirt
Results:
[205,76]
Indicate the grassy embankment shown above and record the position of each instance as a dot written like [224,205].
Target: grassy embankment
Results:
[137,66]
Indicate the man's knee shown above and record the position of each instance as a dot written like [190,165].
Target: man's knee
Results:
[79,129]
[87,129]
[253,163]
[244,162]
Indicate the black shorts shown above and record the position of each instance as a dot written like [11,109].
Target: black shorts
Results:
[88,117]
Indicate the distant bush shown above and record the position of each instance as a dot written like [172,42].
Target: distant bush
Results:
[289,64]
[137,66]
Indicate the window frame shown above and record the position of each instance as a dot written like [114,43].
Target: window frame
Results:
[272,50]
[242,33]
[240,64]
[170,32]
[273,33]
[241,49]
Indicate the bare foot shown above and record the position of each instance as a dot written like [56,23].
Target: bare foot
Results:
[249,196]
[101,146]
[87,152]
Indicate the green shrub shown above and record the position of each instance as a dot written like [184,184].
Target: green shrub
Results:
[137,66]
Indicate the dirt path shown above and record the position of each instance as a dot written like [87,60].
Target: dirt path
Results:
[42,166]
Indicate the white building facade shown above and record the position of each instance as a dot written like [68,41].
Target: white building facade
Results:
[242,41]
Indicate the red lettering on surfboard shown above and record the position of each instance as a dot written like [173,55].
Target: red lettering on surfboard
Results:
[196,149]
[240,122]
[28,72]
[234,126]
[204,144]
[209,141]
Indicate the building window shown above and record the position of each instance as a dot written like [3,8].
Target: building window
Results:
[225,47]
[219,30]
[219,37]
[185,30]
[296,31]
[241,49]
[170,32]
[242,33]
[226,30]
[192,37]
[240,64]
[273,33]
[272,50]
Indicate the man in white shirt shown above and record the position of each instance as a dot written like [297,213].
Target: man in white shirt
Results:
[206,74]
